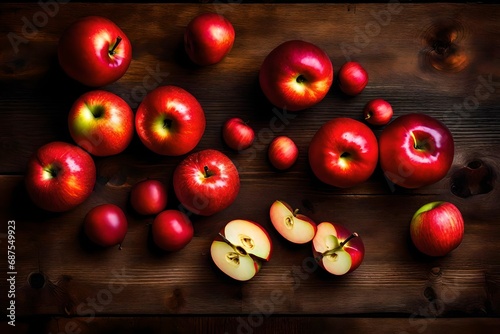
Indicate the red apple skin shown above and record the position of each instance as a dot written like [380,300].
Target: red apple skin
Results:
[172,230]
[206,195]
[411,167]
[237,134]
[353,78]
[208,38]
[378,112]
[101,122]
[296,75]
[170,121]
[60,176]
[86,52]
[437,228]
[282,152]
[106,225]
[149,197]
[330,145]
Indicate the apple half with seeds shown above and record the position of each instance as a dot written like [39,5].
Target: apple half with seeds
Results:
[293,226]
[240,248]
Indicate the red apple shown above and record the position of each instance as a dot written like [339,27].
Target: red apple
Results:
[437,228]
[293,226]
[282,152]
[343,152]
[208,38]
[415,150]
[148,197]
[240,249]
[237,134]
[94,51]
[206,182]
[336,249]
[101,122]
[378,112]
[353,78]
[60,176]
[170,121]
[296,75]
[106,225]
[172,230]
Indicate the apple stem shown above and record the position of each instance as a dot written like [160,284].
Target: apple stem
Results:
[295,212]
[112,51]
[207,172]
[341,245]
[368,115]
[354,235]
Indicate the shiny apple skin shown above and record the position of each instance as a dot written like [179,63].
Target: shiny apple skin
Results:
[148,197]
[172,230]
[106,225]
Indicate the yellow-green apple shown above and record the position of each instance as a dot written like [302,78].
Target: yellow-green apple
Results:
[415,150]
[172,230]
[437,228]
[206,182]
[377,112]
[296,75]
[60,176]
[208,38]
[240,249]
[336,249]
[148,197]
[106,225]
[282,152]
[343,152]
[170,121]
[101,122]
[237,134]
[94,51]
[293,226]
[353,78]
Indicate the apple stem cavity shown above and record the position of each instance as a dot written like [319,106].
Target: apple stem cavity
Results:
[112,51]
[301,79]
[167,123]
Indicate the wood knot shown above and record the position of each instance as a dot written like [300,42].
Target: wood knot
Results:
[436,271]
[475,178]
[176,301]
[36,280]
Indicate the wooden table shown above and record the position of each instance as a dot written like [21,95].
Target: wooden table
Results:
[65,285]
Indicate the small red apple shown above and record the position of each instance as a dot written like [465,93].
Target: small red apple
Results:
[353,78]
[237,134]
[148,197]
[378,112]
[282,152]
[172,230]
[106,225]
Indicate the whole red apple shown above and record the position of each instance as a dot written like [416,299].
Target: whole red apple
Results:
[208,38]
[353,78]
[60,176]
[94,51]
[378,112]
[106,225]
[343,152]
[296,75]
[170,121]
[206,182]
[101,122]
[437,228]
[415,150]
[237,134]
[172,230]
[282,152]
[148,197]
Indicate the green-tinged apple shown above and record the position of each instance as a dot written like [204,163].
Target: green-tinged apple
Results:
[296,75]
[208,38]
[94,51]
[237,134]
[148,197]
[415,150]
[282,152]
[336,249]
[343,152]
[101,122]
[437,228]
[206,182]
[240,249]
[172,230]
[106,225]
[293,226]
[60,176]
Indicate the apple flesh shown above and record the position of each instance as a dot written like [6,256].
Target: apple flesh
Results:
[294,227]
[437,228]
[336,249]
[240,249]
[148,197]
[172,230]
[106,225]
[282,152]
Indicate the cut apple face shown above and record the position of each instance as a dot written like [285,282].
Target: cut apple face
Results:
[292,226]
[240,249]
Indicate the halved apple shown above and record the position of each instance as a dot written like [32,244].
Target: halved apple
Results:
[293,226]
[336,249]
[240,248]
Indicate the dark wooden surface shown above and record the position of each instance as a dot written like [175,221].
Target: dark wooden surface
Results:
[396,289]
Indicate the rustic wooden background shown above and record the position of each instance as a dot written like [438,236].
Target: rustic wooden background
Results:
[63,283]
